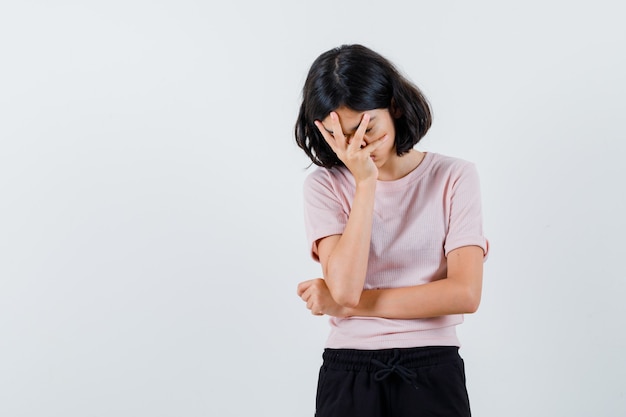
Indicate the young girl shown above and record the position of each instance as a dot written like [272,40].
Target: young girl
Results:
[398,233]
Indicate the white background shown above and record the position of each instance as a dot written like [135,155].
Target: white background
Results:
[151,233]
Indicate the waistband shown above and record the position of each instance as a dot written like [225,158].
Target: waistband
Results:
[369,360]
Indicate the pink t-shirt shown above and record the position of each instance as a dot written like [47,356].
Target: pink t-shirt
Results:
[418,220]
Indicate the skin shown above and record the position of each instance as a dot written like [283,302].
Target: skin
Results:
[365,143]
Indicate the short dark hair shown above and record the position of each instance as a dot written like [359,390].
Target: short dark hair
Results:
[360,79]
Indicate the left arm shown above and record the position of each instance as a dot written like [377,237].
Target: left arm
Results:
[458,293]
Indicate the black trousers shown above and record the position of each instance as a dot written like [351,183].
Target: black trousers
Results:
[425,381]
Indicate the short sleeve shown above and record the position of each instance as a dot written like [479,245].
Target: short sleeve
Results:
[325,213]
[465,227]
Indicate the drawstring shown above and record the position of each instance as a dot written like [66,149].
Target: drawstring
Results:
[392,366]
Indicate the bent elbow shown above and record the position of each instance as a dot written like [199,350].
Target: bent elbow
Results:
[472,302]
[344,290]
[347,299]
[472,307]
[351,303]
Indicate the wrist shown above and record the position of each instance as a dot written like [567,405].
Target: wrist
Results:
[369,182]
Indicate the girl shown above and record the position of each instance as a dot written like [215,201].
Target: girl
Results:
[398,233]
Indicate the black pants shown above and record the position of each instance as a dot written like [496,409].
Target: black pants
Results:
[428,381]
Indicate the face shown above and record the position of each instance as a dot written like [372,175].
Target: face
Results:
[381,123]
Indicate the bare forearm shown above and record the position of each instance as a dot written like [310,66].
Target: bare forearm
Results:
[346,266]
[434,299]
[457,294]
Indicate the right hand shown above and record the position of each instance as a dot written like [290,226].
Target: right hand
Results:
[316,295]
[354,152]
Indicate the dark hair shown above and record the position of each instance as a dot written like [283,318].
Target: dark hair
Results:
[360,79]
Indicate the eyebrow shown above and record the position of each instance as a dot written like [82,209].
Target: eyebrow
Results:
[354,128]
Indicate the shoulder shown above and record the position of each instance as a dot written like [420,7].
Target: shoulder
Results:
[453,173]
[451,167]
[446,162]
[328,178]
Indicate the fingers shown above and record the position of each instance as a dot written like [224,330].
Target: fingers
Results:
[357,140]
[337,138]
[337,131]
[327,136]
[373,145]
[312,301]
[306,291]
[315,310]
[306,288]
[303,286]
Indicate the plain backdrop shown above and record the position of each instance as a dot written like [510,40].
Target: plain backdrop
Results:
[151,230]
